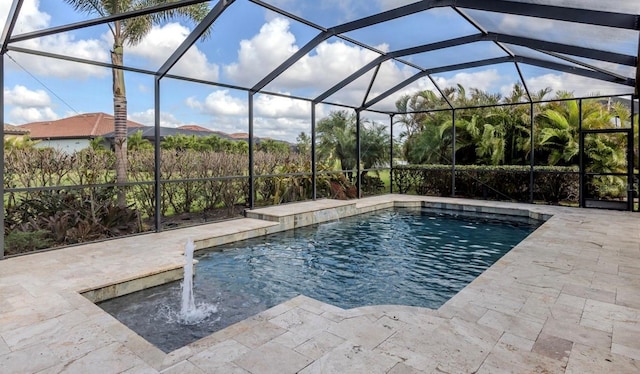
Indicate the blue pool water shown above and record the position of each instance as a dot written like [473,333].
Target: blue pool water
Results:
[391,257]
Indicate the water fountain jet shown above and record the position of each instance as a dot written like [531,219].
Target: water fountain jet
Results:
[190,313]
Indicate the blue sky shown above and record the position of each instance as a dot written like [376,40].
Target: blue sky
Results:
[246,43]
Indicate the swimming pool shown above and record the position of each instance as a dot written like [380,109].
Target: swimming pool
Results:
[407,257]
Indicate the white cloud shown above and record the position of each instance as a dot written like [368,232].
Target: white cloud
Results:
[30,19]
[275,116]
[491,81]
[483,80]
[389,75]
[155,48]
[281,128]
[22,115]
[167,119]
[389,104]
[580,86]
[66,45]
[325,66]
[332,62]
[162,41]
[278,107]
[222,103]
[262,53]
[27,105]
[514,24]
[22,96]
[219,102]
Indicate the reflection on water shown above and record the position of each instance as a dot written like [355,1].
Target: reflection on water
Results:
[391,257]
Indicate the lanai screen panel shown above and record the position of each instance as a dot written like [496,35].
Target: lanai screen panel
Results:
[56,13]
[591,36]
[538,78]
[538,55]
[329,63]
[457,55]
[416,29]
[242,53]
[497,80]
[94,43]
[621,6]
[355,92]
[623,70]
[390,103]
[334,12]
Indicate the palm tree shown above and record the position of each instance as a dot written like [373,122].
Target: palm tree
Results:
[561,123]
[413,110]
[433,144]
[425,138]
[374,144]
[129,32]
[337,139]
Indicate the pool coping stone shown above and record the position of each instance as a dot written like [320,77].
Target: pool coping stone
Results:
[560,302]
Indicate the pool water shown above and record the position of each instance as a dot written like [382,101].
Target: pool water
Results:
[404,257]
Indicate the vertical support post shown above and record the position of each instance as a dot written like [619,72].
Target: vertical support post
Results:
[391,153]
[358,155]
[12,18]
[453,153]
[314,169]
[252,188]
[157,156]
[531,153]
[632,160]
[630,188]
[2,217]
[581,189]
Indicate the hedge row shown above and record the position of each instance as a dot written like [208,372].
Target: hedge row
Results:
[53,198]
[509,182]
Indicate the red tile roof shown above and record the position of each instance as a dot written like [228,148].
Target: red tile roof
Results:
[87,125]
[194,128]
[14,130]
[239,135]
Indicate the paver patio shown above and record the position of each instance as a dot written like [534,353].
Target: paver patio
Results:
[565,300]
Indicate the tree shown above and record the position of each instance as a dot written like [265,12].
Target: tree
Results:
[303,143]
[337,141]
[426,140]
[179,142]
[433,144]
[485,133]
[560,124]
[129,32]
[273,146]
[137,143]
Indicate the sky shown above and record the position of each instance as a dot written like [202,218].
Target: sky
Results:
[247,42]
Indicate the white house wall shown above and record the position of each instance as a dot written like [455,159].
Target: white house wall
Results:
[65,145]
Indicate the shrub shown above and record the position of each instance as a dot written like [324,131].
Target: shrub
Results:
[510,182]
[17,242]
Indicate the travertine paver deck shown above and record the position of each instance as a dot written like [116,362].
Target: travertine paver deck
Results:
[566,300]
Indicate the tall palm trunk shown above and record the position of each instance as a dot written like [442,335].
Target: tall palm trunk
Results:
[120,117]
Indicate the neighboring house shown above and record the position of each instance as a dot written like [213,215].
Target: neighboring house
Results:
[14,132]
[149,132]
[73,133]
[220,134]
[239,136]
